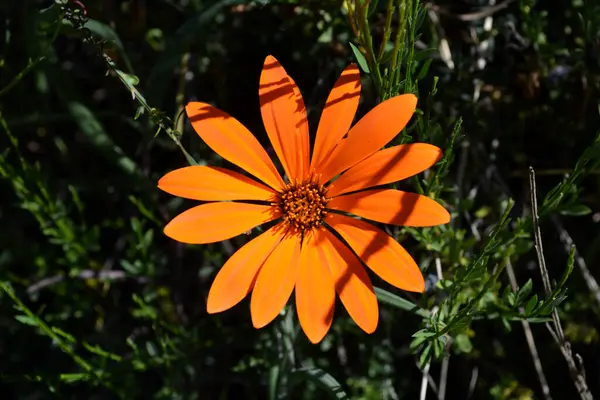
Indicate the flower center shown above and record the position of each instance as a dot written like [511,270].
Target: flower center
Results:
[303,205]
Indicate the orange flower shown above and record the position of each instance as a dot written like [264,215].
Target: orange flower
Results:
[314,247]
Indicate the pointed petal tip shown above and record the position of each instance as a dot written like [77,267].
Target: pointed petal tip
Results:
[370,329]
[417,286]
[161,182]
[442,215]
[447,216]
[316,337]
[259,323]
[167,230]
[270,59]
[212,308]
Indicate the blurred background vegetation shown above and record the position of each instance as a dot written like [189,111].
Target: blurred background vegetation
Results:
[97,303]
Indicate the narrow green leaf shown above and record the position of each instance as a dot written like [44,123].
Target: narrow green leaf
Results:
[423,333]
[438,348]
[424,69]
[531,304]
[360,58]
[576,210]
[26,320]
[63,334]
[568,270]
[95,132]
[72,378]
[524,291]
[425,356]
[323,380]
[417,342]
[101,352]
[273,378]
[396,301]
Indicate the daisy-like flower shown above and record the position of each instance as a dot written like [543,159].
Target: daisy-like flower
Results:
[316,246]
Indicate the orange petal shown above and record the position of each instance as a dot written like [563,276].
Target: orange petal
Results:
[370,134]
[337,115]
[386,166]
[212,184]
[275,281]
[379,252]
[302,127]
[232,141]
[236,278]
[351,281]
[315,294]
[213,222]
[392,207]
[280,108]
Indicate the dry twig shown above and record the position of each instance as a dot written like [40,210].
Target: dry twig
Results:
[529,337]
[576,371]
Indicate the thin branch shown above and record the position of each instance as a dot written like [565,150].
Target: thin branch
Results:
[430,380]
[426,377]
[567,241]
[576,372]
[110,275]
[473,382]
[474,16]
[529,337]
[444,371]
[446,360]
[423,393]
[444,46]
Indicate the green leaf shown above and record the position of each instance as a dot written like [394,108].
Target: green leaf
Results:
[568,270]
[130,79]
[461,324]
[26,320]
[424,69]
[425,356]
[139,112]
[396,301]
[101,352]
[576,210]
[94,131]
[524,291]
[417,342]
[423,333]
[323,380]
[506,324]
[130,268]
[75,377]
[372,8]
[531,304]
[425,54]
[360,58]
[463,343]
[273,378]
[63,334]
